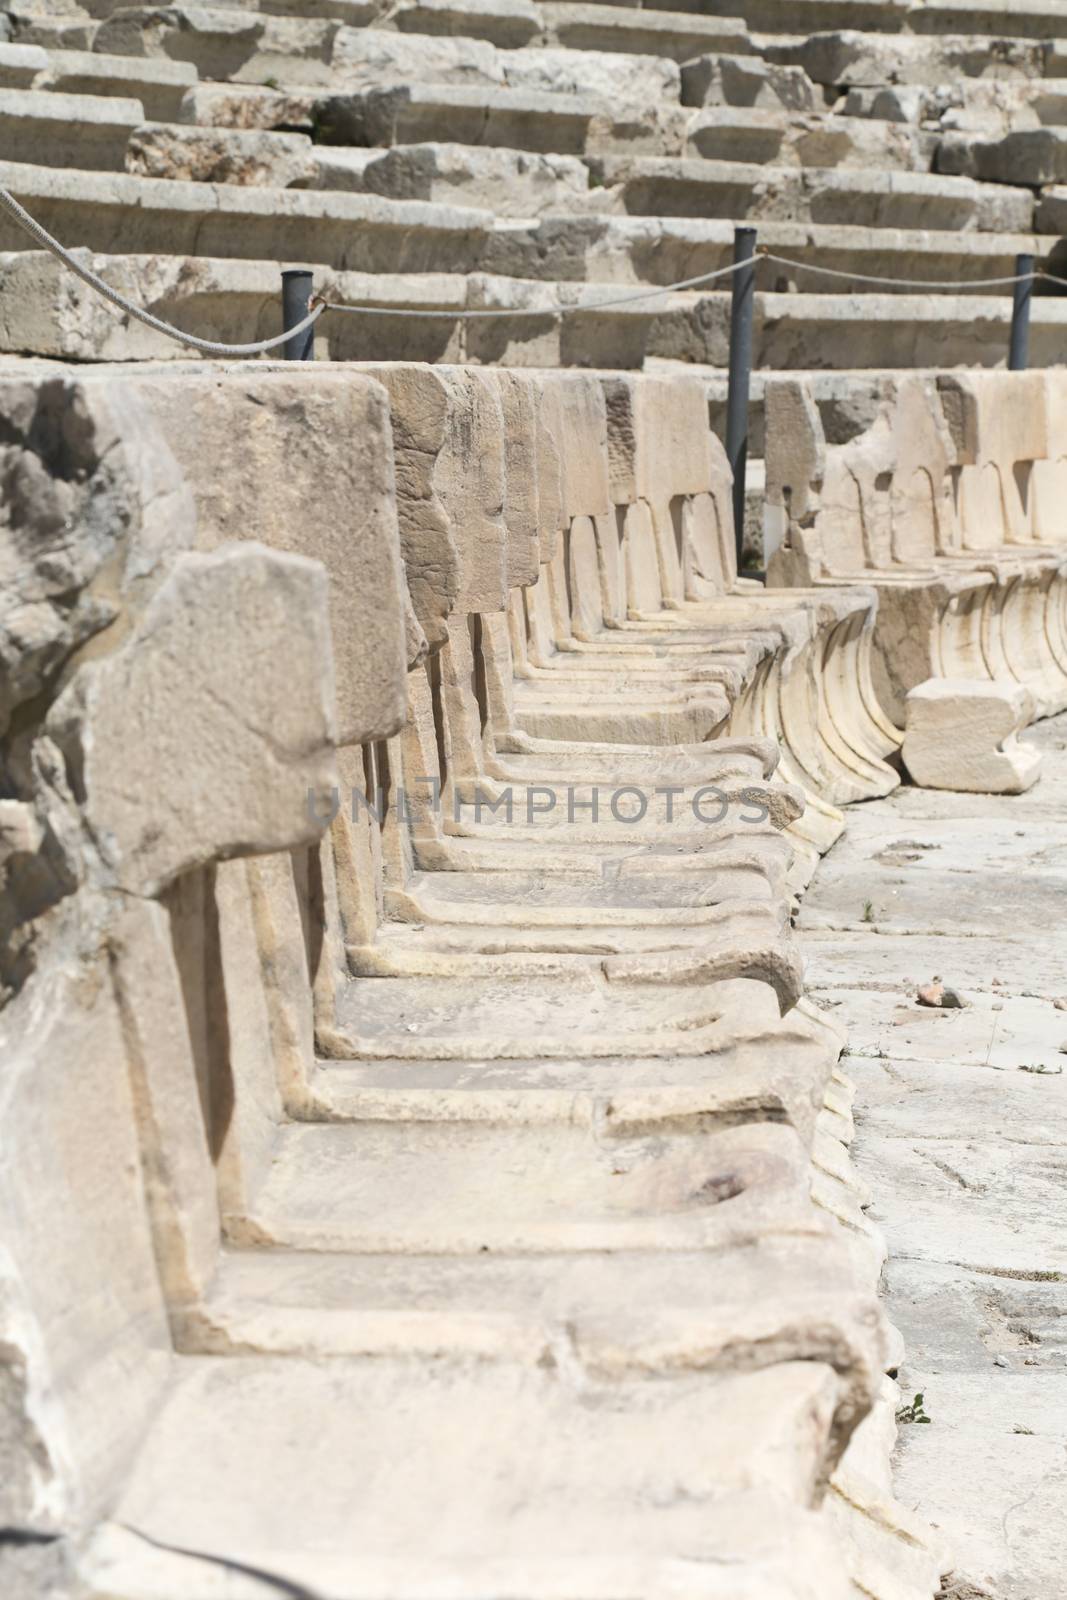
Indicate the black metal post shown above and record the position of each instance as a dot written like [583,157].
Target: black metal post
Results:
[297,288]
[1019,349]
[742,301]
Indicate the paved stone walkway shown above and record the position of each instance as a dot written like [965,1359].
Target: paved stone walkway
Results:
[962,1137]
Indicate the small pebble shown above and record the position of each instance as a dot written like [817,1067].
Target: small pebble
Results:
[952,999]
[999,1361]
[998,1005]
[930,994]
[1060,1002]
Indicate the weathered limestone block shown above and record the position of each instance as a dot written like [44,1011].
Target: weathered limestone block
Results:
[206,155]
[529,460]
[720,80]
[1034,156]
[78,454]
[372,58]
[314,476]
[962,734]
[64,130]
[225,41]
[82,1317]
[999,427]
[248,107]
[509,23]
[616,79]
[21,64]
[574,412]
[222,700]
[448,430]
[159,85]
[512,183]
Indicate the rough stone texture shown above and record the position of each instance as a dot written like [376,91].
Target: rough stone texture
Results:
[961,734]
[204,720]
[279,1098]
[502,1124]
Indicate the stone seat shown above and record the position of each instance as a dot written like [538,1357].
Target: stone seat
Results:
[662,186]
[248,47]
[441,1441]
[278,1301]
[159,85]
[848,57]
[236,300]
[526,1185]
[540,120]
[144,216]
[21,65]
[67,130]
[627,250]
[967,588]
[677,35]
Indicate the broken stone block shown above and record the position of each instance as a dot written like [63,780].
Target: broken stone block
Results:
[314,477]
[962,734]
[220,155]
[714,80]
[81,456]
[202,737]
[511,183]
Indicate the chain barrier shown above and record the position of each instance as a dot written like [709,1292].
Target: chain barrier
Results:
[319,306]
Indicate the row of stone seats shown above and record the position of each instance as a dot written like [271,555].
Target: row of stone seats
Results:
[92,133]
[951,504]
[600,168]
[439,1138]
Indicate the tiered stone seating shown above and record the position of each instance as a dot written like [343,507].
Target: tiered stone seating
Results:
[490,1176]
[950,503]
[463,1197]
[843,146]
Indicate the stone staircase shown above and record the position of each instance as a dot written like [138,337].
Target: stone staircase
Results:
[518,156]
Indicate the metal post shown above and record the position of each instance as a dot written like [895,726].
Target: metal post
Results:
[1019,349]
[297,288]
[742,300]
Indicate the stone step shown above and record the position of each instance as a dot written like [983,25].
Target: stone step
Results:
[388,1477]
[628,249]
[983,108]
[21,65]
[736,133]
[544,121]
[1018,19]
[464,1187]
[426,43]
[677,35]
[145,216]
[148,216]
[49,313]
[159,85]
[293,1302]
[1035,156]
[67,130]
[662,186]
[846,57]
[565,124]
